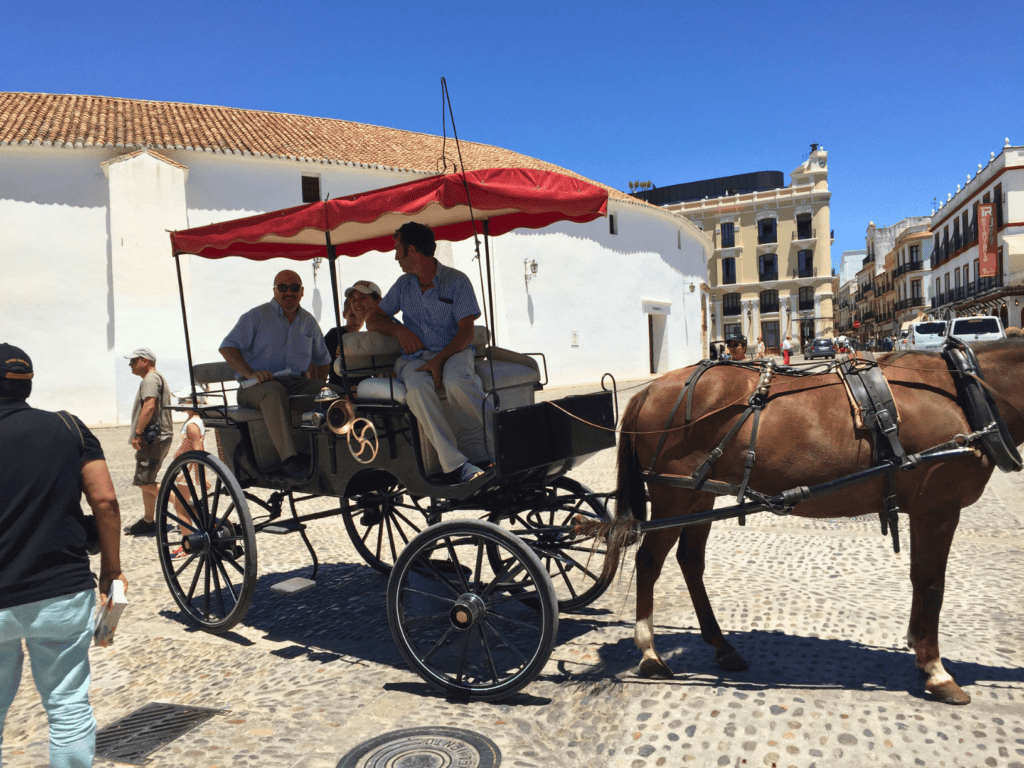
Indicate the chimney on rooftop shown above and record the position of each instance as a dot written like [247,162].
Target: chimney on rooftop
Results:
[814,147]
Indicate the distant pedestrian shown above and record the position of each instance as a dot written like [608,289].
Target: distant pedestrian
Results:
[47,589]
[787,348]
[887,344]
[759,352]
[151,435]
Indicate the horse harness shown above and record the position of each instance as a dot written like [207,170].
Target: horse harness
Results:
[873,408]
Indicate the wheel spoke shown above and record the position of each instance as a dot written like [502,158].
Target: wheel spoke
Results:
[438,574]
[440,642]
[462,658]
[216,586]
[206,592]
[488,655]
[425,619]
[454,559]
[191,556]
[511,620]
[566,579]
[197,507]
[228,584]
[507,571]
[504,641]
[195,581]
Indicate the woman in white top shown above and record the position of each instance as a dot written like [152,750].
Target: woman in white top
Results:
[760,348]
[193,438]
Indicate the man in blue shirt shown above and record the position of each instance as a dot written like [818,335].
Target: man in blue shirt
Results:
[438,308]
[271,348]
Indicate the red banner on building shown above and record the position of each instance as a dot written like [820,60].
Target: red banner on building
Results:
[988,249]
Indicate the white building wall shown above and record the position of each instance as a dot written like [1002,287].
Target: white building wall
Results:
[78,298]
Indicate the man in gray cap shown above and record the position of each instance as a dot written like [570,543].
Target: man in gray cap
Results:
[151,435]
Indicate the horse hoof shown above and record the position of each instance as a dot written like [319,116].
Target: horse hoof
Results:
[655,668]
[731,661]
[949,693]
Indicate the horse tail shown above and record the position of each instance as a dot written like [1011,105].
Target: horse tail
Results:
[630,495]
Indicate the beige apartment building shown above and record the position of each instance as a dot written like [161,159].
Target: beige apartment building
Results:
[771,271]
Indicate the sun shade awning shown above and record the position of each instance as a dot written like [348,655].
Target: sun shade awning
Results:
[508,198]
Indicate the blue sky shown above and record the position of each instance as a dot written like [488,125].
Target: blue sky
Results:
[906,97]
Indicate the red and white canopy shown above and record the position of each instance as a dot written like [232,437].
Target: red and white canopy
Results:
[508,198]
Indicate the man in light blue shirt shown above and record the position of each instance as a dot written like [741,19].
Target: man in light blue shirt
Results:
[271,349]
[438,308]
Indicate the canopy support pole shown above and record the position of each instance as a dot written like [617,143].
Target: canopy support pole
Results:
[184,318]
[332,257]
[490,288]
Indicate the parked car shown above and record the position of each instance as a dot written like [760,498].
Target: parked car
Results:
[972,329]
[927,335]
[820,348]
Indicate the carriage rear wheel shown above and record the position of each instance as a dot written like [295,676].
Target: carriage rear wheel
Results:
[574,564]
[468,629]
[214,580]
[381,524]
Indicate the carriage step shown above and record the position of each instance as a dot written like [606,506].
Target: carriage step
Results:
[293,586]
[283,527]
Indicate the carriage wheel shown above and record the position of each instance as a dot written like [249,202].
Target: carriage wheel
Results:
[466,628]
[381,523]
[215,581]
[574,564]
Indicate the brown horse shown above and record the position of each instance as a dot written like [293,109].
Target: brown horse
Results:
[807,436]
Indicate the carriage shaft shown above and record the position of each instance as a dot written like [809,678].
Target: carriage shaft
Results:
[782,503]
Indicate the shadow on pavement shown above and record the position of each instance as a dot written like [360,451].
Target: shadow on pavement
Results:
[778,661]
[343,618]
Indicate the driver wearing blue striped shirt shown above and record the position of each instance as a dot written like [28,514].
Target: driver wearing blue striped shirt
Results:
[438,308]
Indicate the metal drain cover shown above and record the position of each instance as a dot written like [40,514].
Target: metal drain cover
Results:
[425,748]
[132,738]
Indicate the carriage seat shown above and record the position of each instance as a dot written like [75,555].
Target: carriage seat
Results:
[217,376]
[374,352]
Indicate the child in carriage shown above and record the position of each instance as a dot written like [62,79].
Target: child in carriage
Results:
[193,438]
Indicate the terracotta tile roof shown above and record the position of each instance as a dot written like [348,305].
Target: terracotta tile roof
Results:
[70,121]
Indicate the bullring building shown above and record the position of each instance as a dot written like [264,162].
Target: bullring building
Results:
[90,186]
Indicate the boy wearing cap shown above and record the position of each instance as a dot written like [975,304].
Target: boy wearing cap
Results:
[47,588]
[737,346]
[150,409]
[360,300]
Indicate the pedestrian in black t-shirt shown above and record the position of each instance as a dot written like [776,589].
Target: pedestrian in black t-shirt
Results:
[47,592]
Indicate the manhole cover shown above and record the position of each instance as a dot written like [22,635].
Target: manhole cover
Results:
[134,736]
[425,748]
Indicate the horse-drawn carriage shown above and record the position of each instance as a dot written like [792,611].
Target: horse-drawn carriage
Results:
[473,603]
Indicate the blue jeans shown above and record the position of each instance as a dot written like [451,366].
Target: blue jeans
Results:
[57,633]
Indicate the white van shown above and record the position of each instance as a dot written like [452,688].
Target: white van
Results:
[972,329]
[927,335]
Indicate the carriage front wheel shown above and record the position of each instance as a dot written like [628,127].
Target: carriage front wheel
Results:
[202,512]
[473,631]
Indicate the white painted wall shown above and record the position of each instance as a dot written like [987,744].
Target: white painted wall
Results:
[88,274]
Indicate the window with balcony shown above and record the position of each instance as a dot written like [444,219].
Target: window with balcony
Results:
[997,198]
[915,255]
[728,235]
[803,227]
[767,231]
[769,301]
[915,289]
[768,267]
[728,271]
[806,298]
[955,240]
[731,304]
[937,247]
[805,263]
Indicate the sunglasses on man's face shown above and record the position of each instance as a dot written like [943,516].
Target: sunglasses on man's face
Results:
[732,344]
[285,287]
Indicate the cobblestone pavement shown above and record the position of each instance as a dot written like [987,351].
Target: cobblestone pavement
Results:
[818,607]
